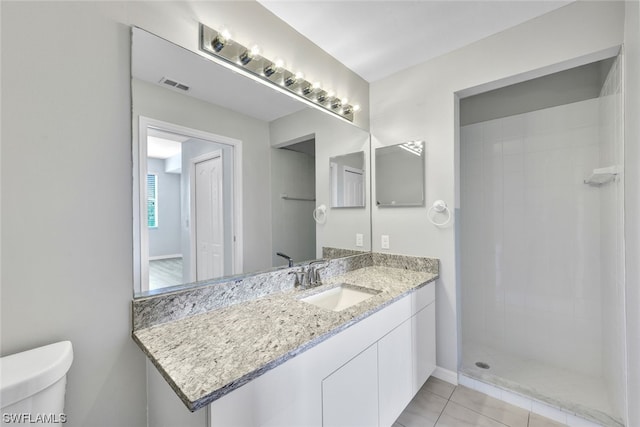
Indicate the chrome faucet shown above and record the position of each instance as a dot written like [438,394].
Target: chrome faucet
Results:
[287,257]
[313,278]
[308,275]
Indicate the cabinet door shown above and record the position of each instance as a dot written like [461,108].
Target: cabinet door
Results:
[424,345]
[395,370]
[350,394]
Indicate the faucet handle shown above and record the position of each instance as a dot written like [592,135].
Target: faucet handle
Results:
[299,278]
[287,257]
[314,277]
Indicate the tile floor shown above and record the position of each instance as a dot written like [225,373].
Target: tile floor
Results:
[441,404]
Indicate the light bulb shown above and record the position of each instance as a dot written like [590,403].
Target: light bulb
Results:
[221,40]
[322,97]
[274,67]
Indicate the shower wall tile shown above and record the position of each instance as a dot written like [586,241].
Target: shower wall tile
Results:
[513,128]
[530,247]
[612,222]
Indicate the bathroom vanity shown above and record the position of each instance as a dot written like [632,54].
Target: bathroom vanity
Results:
[253,347]
[279,360]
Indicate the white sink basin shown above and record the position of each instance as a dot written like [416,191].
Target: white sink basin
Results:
[341,297]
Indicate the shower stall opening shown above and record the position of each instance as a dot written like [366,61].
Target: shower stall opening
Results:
[541,254]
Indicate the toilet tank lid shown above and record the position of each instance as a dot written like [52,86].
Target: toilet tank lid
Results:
[29,372]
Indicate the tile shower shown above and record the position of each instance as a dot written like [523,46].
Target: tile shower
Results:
[541,254]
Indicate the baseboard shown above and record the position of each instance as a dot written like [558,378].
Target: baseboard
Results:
[156,258]
[446,375]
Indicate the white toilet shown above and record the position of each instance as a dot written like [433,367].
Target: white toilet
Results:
[32,385]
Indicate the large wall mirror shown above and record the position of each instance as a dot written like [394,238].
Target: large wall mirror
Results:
[228,172]
[400,174]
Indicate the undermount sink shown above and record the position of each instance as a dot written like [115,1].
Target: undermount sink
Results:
[340,297]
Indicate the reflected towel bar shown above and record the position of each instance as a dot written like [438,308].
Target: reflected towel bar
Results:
[304,199]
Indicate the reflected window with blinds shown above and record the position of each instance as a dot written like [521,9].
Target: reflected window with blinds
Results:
[152,200]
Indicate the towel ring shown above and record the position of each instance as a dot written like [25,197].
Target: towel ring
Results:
[439,206]
[320,214]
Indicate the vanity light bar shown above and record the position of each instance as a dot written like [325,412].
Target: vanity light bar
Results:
[221,46]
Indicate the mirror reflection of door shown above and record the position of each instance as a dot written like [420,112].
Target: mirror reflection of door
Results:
[350,187]
[347,180]
[189,209]
[353,186]
[207,229]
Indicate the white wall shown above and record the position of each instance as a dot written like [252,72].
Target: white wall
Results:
[420,103]
[530,237]
[67,268]
[66,202]
[632,205]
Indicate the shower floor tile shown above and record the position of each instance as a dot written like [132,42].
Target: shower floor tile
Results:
[572,391]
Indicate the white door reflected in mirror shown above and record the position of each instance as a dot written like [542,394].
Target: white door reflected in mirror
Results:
[189,226]
[347,180]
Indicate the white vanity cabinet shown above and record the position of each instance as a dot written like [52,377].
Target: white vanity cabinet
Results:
[350,394]
[423,330]
[364,375]
[395,372]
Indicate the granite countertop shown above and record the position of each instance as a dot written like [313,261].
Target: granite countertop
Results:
[205,356]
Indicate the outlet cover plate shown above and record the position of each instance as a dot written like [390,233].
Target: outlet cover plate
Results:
[384,241]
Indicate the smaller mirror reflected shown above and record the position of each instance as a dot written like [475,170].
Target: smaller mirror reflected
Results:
[347,180]
[400,174]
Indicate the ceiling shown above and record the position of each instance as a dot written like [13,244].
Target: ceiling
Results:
[378,38]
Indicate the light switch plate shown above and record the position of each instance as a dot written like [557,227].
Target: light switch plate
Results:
[359,240]
[384,241]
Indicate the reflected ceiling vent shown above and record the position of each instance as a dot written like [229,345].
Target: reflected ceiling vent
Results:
[175,84]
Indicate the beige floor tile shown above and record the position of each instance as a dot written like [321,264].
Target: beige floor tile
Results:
[493,408]
[536,420]
[455,415]
[423,410]
[439,387]
[397,424]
